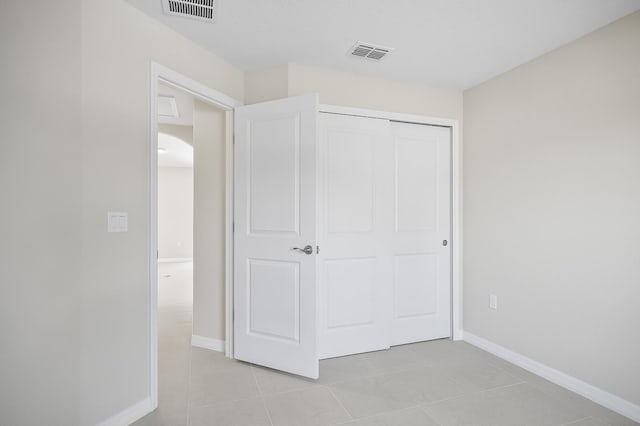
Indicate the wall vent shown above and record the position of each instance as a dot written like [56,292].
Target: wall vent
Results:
[167,106]
[369,51]
[202,10]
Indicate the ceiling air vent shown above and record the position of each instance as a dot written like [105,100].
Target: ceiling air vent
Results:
[202,10]
[369,51]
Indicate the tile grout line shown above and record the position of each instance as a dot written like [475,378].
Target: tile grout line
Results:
[413,407]
[420,406]
[264,402]
[450,398]
[464,395]
[230,401]
[190,361]
[255,379]
[576,421]
[522,382]
[372,375]
[189,380]
[424,410]
[339,402]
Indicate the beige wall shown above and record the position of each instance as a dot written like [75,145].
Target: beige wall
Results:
[184,133]
[118,44]
[552,208]
[175,212]
[40,178]
[209,141]
[352,90]
[266,84]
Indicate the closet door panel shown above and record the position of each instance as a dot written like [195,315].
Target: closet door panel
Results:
[416,184]
[385,211]
[422,263]
[356,219]
[351,292]
[350,181]
[416,276]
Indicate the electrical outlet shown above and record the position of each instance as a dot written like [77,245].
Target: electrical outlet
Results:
[493,301]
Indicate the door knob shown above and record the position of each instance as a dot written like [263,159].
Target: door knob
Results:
[305,250]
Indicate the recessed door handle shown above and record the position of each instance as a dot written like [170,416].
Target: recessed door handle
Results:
[306,250]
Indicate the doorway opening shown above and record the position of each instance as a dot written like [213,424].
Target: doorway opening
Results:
[175,232]
[190,228]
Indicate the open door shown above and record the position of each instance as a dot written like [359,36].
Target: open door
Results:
[275,262]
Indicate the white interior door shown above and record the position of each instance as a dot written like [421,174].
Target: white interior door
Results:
[356,222]
[275,211]
[422,210]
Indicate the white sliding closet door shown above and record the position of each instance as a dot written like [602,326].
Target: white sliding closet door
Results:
[356,221]
[422,224]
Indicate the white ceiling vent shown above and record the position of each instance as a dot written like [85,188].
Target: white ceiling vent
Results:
[369,51]
[202,10]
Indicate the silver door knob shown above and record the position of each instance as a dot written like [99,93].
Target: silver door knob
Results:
[305,250]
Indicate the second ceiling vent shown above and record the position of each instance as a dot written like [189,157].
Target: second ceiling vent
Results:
[369,51]
[202,10]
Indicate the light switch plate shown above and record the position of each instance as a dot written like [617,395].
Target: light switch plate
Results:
[493,301]
[117,222]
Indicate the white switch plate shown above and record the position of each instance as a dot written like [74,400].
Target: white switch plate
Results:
[117,222]
[493,301]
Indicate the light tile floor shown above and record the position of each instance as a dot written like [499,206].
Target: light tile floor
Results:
[431,383]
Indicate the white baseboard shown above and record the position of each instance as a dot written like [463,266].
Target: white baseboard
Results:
[208,343]
[131,414]
[597,395]
[174,259]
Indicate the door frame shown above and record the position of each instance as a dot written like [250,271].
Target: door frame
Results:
[456,194]
[161,74]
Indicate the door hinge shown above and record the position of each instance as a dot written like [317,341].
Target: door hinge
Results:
[233,227]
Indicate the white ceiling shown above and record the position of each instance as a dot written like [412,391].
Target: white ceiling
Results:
[446,43]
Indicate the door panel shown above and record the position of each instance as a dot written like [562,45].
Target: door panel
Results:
[422,265]
[356,222]
[416,293]
[274,300]
[350,181]
[275,210]
[416,184]
[274,170]
[348,281]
